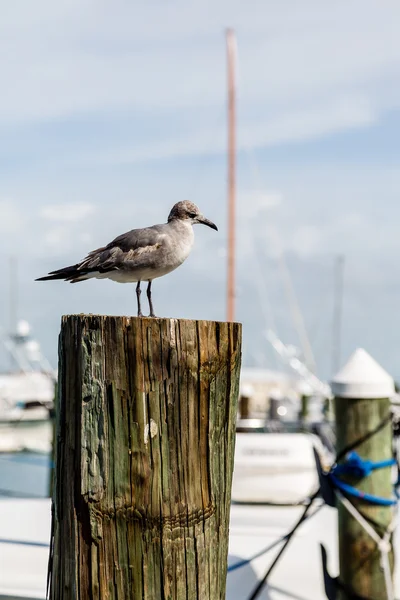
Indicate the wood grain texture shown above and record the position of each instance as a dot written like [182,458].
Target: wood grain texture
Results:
[145,447]
[359,557]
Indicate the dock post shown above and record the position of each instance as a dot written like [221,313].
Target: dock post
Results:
[304,400]
[145,447]
[305,394]
[245,395]
[362,390]
[53,413]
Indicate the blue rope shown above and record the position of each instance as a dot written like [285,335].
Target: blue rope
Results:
[358,467]
[352,491]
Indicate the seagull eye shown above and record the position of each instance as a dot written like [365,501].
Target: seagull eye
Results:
[192,215]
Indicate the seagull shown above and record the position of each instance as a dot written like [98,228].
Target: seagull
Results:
[140,254]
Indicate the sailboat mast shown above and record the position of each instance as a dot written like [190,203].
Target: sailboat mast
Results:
[337,313]
[13,295]
[231,59]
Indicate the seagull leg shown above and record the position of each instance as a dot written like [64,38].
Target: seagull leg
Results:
[150,301]
[138,292]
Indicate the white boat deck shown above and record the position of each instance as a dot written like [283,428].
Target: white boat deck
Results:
[298,575]
[23,570]
[262,469]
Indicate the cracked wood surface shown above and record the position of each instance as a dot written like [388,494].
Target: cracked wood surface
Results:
[359,557]
[145,447]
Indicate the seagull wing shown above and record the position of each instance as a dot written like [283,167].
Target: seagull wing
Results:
[128,251]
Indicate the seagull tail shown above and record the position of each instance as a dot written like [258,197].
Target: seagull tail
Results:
[72,274]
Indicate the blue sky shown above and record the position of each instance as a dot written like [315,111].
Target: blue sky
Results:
[110,113]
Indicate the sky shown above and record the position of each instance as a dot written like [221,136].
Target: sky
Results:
[112,112]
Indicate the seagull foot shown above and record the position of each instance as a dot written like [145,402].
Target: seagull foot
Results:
[140,313]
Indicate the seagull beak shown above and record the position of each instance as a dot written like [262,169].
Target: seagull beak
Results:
[207,222]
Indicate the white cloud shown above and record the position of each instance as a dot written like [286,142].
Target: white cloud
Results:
[306,241]
[95,83]
[253,201]
[11,217]
[57,239]
[337,114]
[86,238]
[303,72]
[67,213]
[62,240]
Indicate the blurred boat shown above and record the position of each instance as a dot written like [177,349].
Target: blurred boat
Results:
[25,518]
[33,435]
[275,468]
[26,395]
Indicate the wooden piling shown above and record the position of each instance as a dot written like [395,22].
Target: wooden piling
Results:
[305,395]
[145,447]
[362,389]
[53,442]
[304,400]
[244,407]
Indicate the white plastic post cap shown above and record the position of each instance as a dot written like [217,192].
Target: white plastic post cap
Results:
[23,328]
[246,390]
[362,377]
[304,388]
[276,394]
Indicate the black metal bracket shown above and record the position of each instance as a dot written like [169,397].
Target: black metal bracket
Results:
[326,488]
[330,583]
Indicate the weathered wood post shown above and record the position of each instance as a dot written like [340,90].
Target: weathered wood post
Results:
[145,447]
[362,390]
[305,394]
[304,407]
[246,392]
[53,420]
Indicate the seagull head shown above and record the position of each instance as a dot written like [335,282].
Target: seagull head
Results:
[188,211]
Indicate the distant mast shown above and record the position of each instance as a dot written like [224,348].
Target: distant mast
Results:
[337,313]
[231,57]
[13,295]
